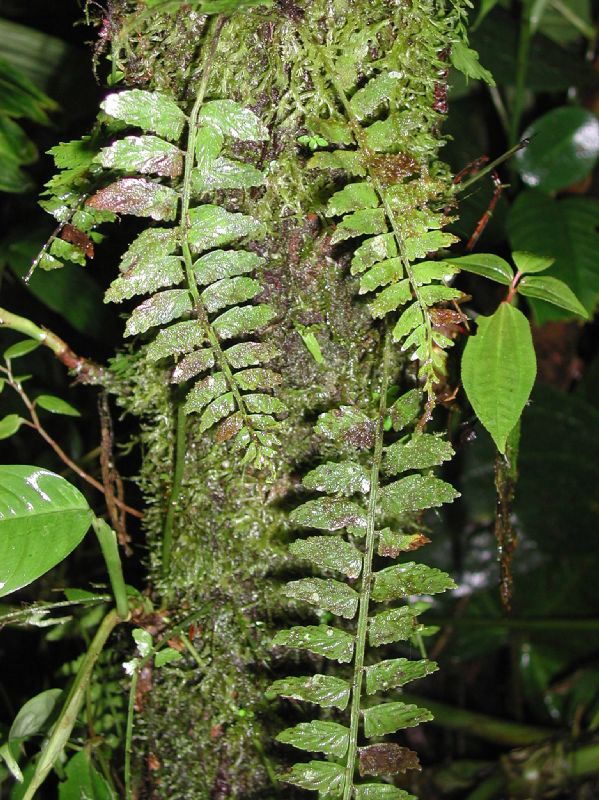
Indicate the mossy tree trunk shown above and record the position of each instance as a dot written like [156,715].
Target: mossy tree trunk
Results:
[202,730]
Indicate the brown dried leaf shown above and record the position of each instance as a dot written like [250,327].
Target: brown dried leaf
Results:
[80,239]
[386,759]
[136,196]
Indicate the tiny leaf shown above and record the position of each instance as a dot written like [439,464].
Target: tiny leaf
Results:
[420,452]
[143,154]
[390,717]
[22,348]
[529,262]
[9,425]
[552,290]
[56,406]
[393,625]
[486,264]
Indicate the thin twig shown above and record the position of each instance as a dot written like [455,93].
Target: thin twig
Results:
[111,479]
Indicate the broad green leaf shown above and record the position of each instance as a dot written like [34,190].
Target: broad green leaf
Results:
[317,737]
[348,424]
[191,365]
[229,292]
[9,425]
[318,776]
[465,60]
[329,552]
[529,262]
[143,154]
[56,405]
[391,717]
[420,452]
[498,370]
[324,690]
[225,173]
[346,477]
[566,230]
[393,544]
[217,410]
[406,409]
[329,514]
[221,264]
[21,349]
[213,226]
[166,656]
[381,791]
[149,111]
[427,271]
[552,291]
[381,274]
[136,196]
[386,759]
[353,197]
[204,392]
[247,354]
[360,223]
[83,781]
[182,337]
[6,755]
[415,493]
[232,119]
[42,519]
[320,639]
[486,264]
[159,309]
[391,298]
[403,580]
[34,714]
[393,625]
[563,148]
[334,596]
[396,672]
[350,161]
[378,248]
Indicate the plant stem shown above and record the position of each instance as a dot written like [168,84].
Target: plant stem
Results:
[506,477]
[37,425]
[521,70]
[110,551]
[86,371]
[361,632]
[129,730]
[70,710]
[178,467]
[462,185]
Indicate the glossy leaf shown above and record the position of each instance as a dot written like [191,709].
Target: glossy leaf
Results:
[529,262]
[221,264]
[487,265]
[393,625]
[419,452]
[366,221]
[225,173]
[391,717]
[566,230]
[247,354]
[159,309]
[393,544]
[191,365]
[498,370]
[329,552]
[347,424]
[322,640]
[465,60]
[350,161]
[9,425]
[232,119]
[406,409]
[353,197]
[380,791]
[213,226]
[55,405]
[20,349]
[396,672]
[205,391]
[347,477]
[150,111]
[392,269]
[32,717]
[143,154]
[182,337]
[408,578]
[317,737]
[321,776]
[552,291]
[336,597]
[378,248]
[228,292]
[217,410]
[138,197]
[386,759]
[324,690]
[42,519]
[329,514]
[391,298]
[563,148]
[415,493]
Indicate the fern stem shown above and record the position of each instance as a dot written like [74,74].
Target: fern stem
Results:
[366,578]
[179,463]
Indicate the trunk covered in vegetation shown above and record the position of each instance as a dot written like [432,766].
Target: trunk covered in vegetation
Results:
[346,93]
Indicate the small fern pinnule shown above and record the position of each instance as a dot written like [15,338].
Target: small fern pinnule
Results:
[363,496]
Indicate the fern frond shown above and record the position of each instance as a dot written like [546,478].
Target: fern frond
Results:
[367,494]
